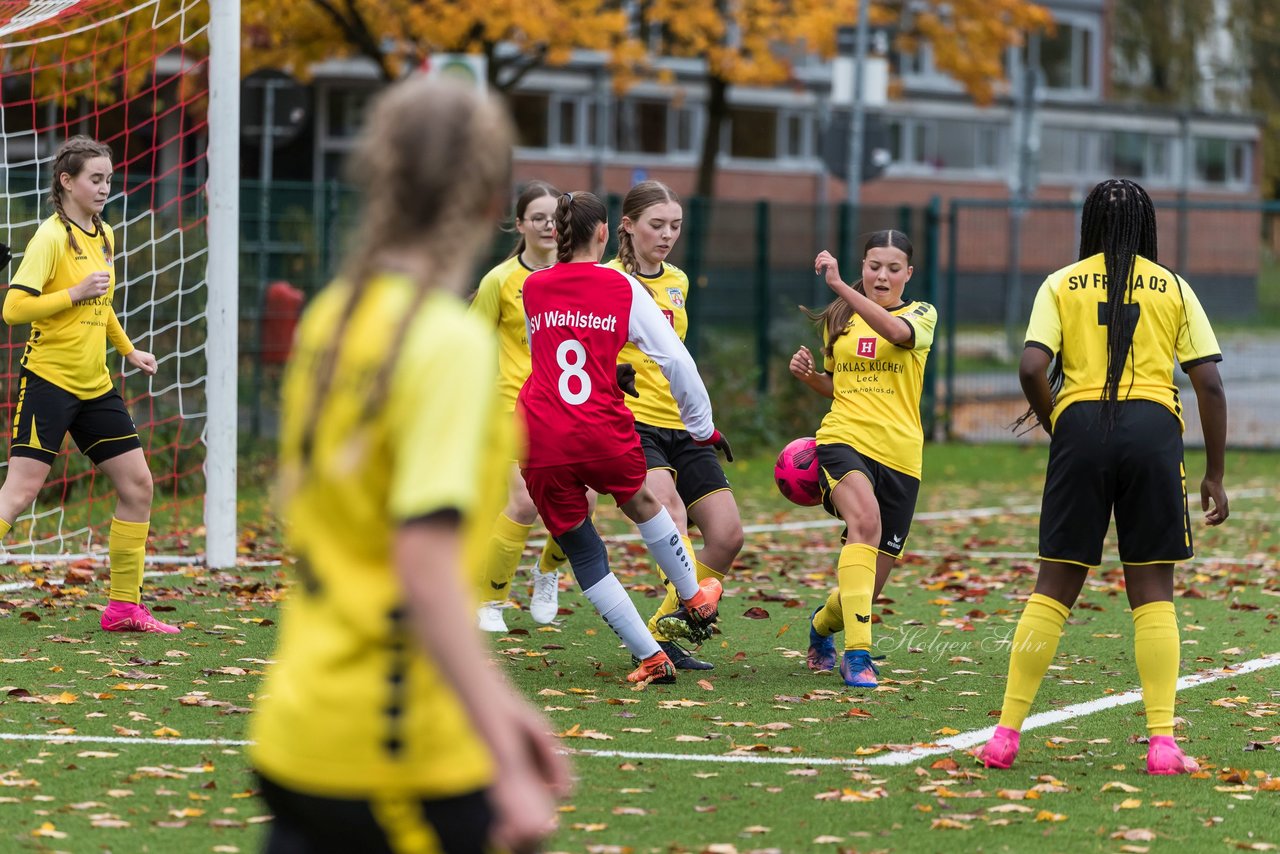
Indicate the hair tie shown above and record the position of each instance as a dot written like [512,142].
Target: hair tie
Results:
[568,197]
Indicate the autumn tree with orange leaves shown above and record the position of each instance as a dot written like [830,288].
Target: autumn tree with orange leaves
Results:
[740,42]
[514,36]
[743,42]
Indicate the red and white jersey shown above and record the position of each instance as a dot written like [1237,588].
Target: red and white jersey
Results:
[580,316]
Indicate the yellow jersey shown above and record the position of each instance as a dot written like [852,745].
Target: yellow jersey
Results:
[69,349]
[352,706]
[1069,318]
[877,386]
[499,300]
[656,406]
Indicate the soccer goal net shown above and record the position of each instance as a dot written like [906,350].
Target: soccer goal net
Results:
[134,74]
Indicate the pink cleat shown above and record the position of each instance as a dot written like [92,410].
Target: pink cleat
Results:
[1165,757]
[128,617]
[1001,750]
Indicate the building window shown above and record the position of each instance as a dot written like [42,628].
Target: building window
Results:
[567,135]
[641,127]
[753,133]
[948,144]
[529,111]
[1068,58]
[1221,161]
[346,110]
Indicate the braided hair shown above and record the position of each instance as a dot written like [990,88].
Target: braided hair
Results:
[70,159]
[833,320]
[577,215]
[1119,221]
[433,158]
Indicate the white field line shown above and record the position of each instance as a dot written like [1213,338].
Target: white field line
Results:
[903,757]
[955,742]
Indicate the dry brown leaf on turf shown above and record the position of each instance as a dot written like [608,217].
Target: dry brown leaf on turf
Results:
[629,811]
[1136,834]
[828,840]
[756,613]
[948,824]
[1009,808]
[1117,786]
[589,827]
[756,828]
[1127,804]
[1046,815]
[706,685]
[947,764]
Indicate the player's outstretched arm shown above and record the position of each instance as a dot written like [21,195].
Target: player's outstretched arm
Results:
[1211,399]
[649,330]
[805,368]
[530,774]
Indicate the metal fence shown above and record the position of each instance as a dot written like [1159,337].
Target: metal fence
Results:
[751,269]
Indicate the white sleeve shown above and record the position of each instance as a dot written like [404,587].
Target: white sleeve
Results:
[650,330]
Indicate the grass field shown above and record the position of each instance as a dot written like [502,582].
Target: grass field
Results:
[131,744]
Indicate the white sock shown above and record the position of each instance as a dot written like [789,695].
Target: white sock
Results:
[613,603]
[663,539]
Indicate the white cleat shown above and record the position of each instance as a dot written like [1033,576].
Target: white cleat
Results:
[489,618]
[544,605]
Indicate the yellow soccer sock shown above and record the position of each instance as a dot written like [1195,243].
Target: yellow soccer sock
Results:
[505,550]
[1156,649]
[830,617]
[671,601]
[1035,642]
[126,550]
[705,571]
[856,574]
[552,557]
[5,527]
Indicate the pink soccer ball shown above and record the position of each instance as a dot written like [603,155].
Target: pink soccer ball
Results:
[796,472]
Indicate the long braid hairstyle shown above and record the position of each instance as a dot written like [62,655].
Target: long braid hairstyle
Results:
[577,215]
[70,159]
[834,319]
[433,159]
[532,191]
[1119,221]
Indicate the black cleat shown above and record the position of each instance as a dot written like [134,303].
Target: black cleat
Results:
[682,658]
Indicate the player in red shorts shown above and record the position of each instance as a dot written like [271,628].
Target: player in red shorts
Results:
[582,436]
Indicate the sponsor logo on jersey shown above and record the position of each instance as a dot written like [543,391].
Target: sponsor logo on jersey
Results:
[677,298]
[867,348]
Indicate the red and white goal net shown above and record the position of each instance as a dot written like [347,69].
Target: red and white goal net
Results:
[134,75]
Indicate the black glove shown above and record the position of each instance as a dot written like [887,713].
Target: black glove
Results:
[719,442]
[627,378]
[5,255]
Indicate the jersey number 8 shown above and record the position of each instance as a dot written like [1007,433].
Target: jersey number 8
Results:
[573,369]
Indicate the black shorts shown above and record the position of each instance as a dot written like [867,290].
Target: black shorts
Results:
[696,468]
[101,427]
[895,492]
[1137,470]
[308,824]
